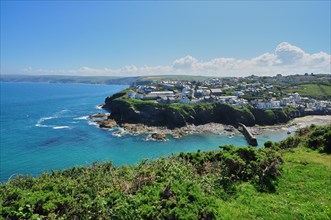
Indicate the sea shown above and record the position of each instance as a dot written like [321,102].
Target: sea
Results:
[45,127]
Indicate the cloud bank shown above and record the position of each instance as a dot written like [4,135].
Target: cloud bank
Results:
[286,59]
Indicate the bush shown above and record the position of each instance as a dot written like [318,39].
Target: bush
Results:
[314,137]
[268,144]
[320,139]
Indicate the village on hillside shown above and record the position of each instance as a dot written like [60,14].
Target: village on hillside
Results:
[259,92]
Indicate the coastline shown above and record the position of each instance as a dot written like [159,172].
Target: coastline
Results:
[294,124]
[160,133]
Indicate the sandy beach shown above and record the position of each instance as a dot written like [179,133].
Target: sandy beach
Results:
[295,124]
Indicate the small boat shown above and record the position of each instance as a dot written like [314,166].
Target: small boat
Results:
[289,132]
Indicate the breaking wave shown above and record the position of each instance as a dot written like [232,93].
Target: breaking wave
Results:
[41,120]
[61,127]
[82,118]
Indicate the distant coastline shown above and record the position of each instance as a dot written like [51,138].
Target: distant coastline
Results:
[108,80]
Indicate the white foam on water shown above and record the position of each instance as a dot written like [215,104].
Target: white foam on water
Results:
[118,134]
[41,125]
[41,120]
[82,118]
[55,115]
[93,123]
[61,127]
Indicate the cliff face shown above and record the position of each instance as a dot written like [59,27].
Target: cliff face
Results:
[127,110]
[145,113]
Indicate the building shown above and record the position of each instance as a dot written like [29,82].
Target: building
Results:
[184,100]
[132,94]
[238,93]
[150,96]
[163,93]
[216,92]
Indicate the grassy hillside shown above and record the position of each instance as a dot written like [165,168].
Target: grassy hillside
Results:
[282,181]
[318,91]
[303,191]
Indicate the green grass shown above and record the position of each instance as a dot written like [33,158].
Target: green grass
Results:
[303,191]
[318,91]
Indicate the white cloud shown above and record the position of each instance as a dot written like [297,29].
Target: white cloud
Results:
[186,62]
[289,54]
[286,59]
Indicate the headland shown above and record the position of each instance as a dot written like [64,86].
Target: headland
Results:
[215,105]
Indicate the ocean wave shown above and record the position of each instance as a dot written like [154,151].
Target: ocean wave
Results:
[93,123]
[118,134]
[41,125]
[98,107]
[41,120]
[82,118]
[64,110]
[61,127]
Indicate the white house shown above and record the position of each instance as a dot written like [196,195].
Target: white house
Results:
[139,96]
[275,103]
[296,97]
[238,93]
[150,96]
[167,86]
[216,92]
[132,94]
[264,105]
[184,100]
[232,101]
[285,101]
[165,93]
[186,90]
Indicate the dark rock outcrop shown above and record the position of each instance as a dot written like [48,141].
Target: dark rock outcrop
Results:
[156,137]
[108,123]
[99,115]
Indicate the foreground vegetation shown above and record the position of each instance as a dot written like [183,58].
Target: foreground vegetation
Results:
[286,180]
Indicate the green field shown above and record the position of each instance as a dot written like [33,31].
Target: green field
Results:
[318,91]
[303,191]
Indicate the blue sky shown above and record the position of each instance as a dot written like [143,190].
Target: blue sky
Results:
[141,38]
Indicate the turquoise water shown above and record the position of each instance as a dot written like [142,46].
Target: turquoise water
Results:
[43,127]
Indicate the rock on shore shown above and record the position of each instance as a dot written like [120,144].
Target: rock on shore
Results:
[99,115]
[156,137]
[108,123]
[158,133]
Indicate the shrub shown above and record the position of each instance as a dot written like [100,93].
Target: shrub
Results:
[268,144]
